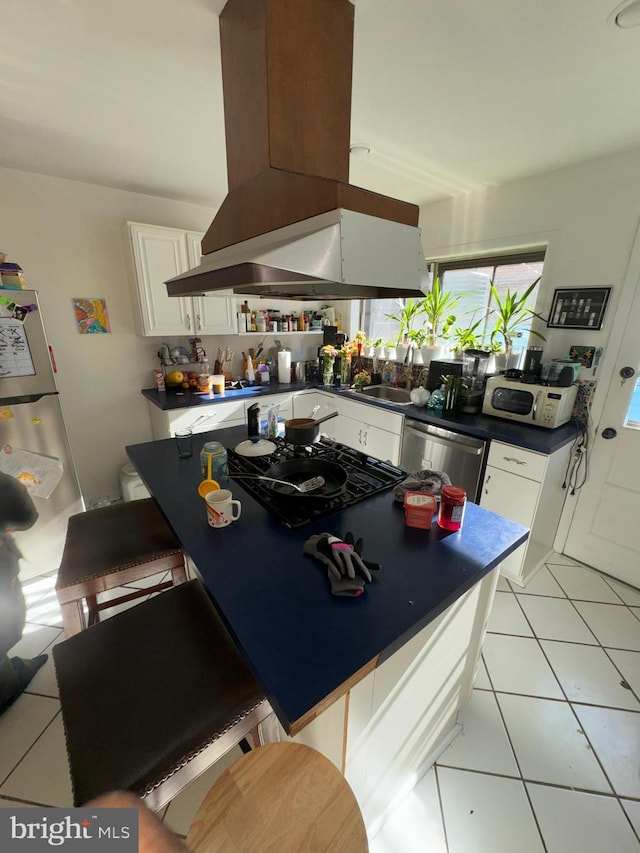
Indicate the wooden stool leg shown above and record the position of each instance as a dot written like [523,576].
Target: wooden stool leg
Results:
[73,619]
[179,575]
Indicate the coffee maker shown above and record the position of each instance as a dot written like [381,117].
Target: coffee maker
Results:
[474,372]
[532,365]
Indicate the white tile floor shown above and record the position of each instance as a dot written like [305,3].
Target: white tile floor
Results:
[549,756]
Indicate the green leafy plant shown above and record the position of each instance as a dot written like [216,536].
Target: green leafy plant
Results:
[467,338]
[408,314]
[437,305]
[512,314]
[418,336]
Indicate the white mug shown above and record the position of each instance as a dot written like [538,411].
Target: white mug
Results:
[221,508]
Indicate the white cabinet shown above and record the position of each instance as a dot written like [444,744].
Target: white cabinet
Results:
[526,487]
[226,413]
[373,431]
[158,255]
[200,419]
[304,403]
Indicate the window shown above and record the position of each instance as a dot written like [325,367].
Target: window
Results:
[470,279]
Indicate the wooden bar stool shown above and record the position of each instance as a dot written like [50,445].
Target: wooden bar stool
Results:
[111,546]
[281,796]
[153,696]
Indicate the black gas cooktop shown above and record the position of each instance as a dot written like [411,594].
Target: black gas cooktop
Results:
[366,476]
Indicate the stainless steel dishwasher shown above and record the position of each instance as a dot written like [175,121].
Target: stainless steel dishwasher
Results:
[427,447]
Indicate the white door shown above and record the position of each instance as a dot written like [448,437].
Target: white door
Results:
[605,530]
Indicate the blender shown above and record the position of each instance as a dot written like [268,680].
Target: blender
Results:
[474,370]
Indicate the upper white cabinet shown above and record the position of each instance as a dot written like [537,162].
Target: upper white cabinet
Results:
[158,255]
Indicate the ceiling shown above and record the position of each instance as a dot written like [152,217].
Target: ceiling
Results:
[451,95]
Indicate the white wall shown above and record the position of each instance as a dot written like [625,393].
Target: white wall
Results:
[587,215]
[69,239]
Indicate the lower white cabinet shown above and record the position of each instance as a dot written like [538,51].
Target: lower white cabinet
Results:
[376,432]
[526,487]
[200,419]
[220,415]
[386,731]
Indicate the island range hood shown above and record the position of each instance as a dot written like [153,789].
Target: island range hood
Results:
[291,225]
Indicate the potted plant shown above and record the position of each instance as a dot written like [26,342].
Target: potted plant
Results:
[390,347]
[379,349]
[437,306]
[467,338]
[407,316]
[418,338]
[512,314]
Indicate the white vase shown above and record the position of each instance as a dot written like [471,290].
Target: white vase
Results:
[401,351]
[368,352]
[429,353]
[391,354]
[504,361]
[417,356]
[381,352]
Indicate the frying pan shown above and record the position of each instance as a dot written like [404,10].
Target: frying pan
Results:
[298,470]
[304,430]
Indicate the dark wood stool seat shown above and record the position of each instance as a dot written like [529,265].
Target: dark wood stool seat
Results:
[111,546]
[282,796]
[153,696]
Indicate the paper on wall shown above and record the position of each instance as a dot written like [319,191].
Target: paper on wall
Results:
[15,355]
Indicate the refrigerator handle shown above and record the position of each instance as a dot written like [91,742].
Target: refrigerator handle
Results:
[53,359]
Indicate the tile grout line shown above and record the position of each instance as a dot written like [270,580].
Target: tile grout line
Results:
[24,755]
[441,806]
[567,700]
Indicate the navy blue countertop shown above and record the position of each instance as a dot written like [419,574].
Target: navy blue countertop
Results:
[481,426]
[187,398]
[301,642]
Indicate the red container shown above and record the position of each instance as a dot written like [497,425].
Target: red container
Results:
[419,509]
[453,501]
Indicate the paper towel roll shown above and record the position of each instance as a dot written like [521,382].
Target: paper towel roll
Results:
[284,366]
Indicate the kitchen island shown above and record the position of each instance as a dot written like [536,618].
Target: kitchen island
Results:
[373,682]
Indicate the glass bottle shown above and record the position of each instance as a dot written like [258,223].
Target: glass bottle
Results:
[453,502]
[219,468]
[436,400]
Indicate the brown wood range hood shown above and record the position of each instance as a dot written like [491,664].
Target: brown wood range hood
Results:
[292,226]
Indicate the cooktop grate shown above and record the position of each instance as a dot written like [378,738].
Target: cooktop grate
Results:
[366,476]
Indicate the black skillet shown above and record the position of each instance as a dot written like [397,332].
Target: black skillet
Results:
[298,470]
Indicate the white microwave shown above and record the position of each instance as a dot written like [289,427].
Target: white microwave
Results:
[540,405]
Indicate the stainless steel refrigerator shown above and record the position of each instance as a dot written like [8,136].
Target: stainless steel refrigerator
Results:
[34,446]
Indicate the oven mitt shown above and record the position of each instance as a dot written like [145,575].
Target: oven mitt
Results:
[347,571]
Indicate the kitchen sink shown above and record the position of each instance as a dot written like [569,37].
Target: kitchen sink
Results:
[387,394]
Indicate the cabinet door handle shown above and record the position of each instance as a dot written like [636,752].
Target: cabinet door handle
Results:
[198,323]
[360,436]
[188,318]
[513,459]
[486,483]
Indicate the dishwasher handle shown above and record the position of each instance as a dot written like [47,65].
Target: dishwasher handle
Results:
[474,447]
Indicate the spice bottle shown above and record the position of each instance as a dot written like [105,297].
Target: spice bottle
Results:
[453,501]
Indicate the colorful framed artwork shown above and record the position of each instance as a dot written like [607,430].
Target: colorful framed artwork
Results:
[91,316]
[578,308]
